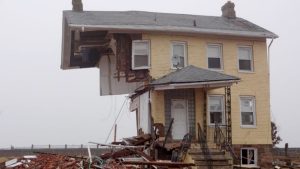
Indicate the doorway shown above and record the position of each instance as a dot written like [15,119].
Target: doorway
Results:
[179,114]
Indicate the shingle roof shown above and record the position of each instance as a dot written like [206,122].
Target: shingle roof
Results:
[151,21]
[192,74]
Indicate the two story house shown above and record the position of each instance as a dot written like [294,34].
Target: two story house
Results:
[203,75]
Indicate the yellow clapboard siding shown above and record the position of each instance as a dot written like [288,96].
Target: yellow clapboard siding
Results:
[252,84]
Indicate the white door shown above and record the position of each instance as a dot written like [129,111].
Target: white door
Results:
[179,113]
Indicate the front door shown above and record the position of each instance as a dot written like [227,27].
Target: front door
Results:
[179,114]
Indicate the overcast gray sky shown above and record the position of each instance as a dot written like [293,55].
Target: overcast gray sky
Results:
[41,104]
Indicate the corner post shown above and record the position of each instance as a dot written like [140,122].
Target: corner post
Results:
[228,113]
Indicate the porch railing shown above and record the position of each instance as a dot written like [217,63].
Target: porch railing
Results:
[204,147]
[221,141]
[168,132]
[219,137]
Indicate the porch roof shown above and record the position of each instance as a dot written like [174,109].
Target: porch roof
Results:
[193,77]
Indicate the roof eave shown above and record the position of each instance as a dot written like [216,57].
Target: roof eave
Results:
[174,29]
[211,84]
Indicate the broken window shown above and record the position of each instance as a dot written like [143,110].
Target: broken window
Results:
[178,55]
[249,156]
[247,111]
[214,56]
[216,109]
[245,58]
[140,54]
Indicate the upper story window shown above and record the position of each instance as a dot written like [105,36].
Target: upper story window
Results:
[178,57]
[140,54]
[249,156]
[248,111]
[245,58]
[214,56]
[216,110]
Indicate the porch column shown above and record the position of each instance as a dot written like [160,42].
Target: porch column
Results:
[228,113]
[205,113]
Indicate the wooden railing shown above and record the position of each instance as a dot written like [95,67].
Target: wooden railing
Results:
[222,142]
[168,132]
[204,147]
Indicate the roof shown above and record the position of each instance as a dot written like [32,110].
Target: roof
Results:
[142,22]
[153,21]
[192,74]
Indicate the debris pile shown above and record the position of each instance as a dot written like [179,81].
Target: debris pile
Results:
[286,162]
[47,161]
[132,153]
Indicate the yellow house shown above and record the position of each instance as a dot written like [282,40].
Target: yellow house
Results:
[203,75]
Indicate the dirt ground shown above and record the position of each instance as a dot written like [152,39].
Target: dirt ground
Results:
[3,159]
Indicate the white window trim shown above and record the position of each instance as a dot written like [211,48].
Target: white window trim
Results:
[132,55]
[185,52]
[255,155]
[252,60]
[221,57]
[254,112]
[223,110]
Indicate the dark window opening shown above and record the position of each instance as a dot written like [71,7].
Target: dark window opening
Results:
[245,65]
[214,63]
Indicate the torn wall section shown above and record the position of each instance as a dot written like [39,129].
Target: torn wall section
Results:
[109,83]
[140,105]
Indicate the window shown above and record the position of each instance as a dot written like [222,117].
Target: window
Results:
[248,111]
[216,109]
[245,58]
[140,54]
[214,56]
[178,55]
[249,156]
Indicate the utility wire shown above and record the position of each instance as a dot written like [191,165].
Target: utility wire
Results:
[116,120]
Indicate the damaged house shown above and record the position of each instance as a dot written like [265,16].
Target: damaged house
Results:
[203,75]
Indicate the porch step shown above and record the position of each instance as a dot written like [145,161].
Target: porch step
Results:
[215,167]
[217,159]
[212,151]
[212,163]
[212,157]
[245,167]
[209,145]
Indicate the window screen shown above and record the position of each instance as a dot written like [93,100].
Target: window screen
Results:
[245,58]
[178,57]
[216,109]
[214,56]
[141,56]
[247,111]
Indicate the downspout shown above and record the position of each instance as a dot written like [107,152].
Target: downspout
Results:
[269,76]
[268,56]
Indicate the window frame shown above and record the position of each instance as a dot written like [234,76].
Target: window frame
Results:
[184,52]
[255,155]
[223,109]
[221,56]
[254,112]
[133,55]
[251,58]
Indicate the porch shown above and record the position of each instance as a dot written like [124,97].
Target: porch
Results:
[193,99]
[186,109]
